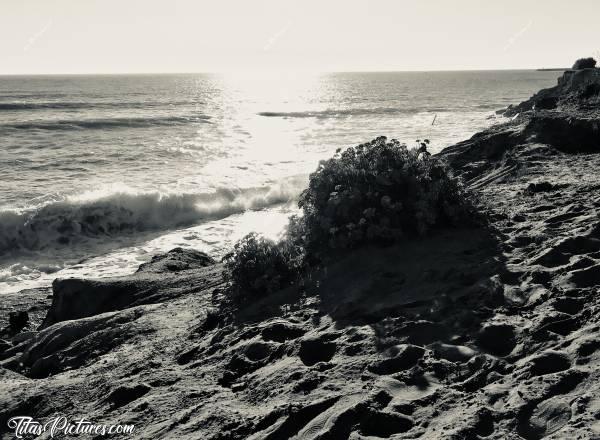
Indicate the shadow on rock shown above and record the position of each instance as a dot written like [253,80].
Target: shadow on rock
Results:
[435,289]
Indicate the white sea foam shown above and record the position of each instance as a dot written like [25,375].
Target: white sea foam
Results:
[108,213]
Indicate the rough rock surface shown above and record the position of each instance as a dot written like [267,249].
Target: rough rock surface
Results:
[75,298]
[576,90]
[466,334]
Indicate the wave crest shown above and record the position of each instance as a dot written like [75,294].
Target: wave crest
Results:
[74,105]
[349,112]
[107,123]
[98,216]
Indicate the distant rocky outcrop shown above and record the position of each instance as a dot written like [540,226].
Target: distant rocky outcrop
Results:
[566,117]
[577,90]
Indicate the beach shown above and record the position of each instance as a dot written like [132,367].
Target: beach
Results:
[475,331]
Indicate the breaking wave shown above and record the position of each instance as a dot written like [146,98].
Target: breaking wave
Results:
[101,215]
[72,105]
[107,123]
[350,112]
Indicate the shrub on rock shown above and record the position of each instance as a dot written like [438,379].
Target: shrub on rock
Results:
[379,193]
[584,63]
[258,266]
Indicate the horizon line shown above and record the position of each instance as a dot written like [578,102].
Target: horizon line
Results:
[277,71]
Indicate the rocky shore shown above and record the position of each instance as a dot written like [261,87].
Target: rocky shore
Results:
[469,333]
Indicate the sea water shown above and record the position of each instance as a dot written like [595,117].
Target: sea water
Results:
[98,173]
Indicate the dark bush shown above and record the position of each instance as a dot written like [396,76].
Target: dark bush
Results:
[258,266]
[584,63]
[378,193]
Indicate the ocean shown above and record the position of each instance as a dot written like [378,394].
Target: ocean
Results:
[101,172]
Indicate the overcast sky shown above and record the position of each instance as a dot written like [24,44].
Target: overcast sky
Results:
[110,36]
